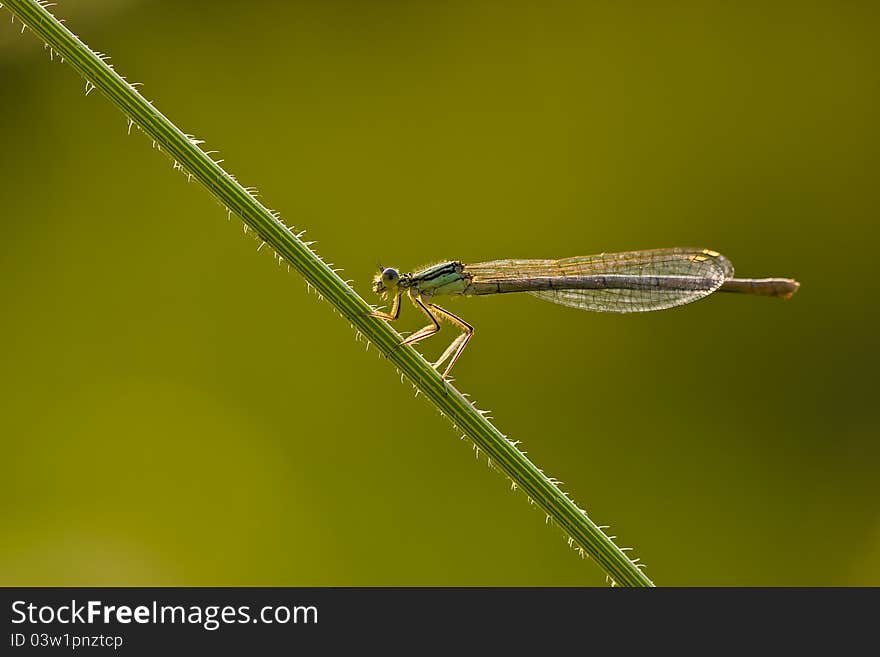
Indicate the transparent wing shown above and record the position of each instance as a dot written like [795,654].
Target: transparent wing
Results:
[635,281]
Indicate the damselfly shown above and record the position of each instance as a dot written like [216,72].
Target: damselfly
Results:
[635,281]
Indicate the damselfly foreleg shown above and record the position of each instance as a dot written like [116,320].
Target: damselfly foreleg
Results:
[395,310]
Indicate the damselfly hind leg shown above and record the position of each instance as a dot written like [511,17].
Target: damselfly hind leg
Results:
[454,350]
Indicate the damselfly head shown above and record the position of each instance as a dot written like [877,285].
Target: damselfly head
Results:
[387,279]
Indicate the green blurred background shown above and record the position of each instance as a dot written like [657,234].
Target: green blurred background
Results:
[178,410]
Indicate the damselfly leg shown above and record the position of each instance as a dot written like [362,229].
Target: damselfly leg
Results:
[395,310]
[434,313]
[454,350]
